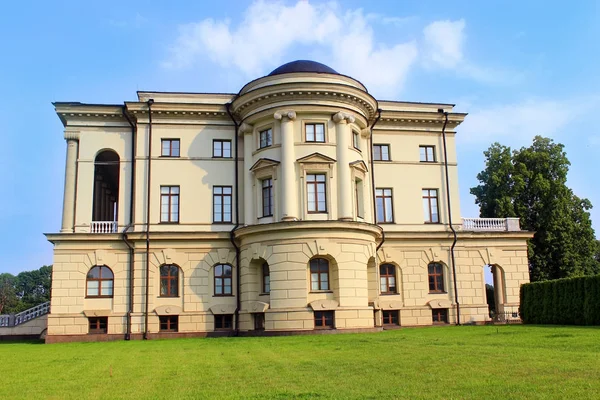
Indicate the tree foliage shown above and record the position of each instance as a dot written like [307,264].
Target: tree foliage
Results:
[531,183]
[27,289]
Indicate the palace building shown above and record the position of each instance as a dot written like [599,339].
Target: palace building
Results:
[299,204]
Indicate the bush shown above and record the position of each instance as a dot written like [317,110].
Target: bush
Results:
[570,301]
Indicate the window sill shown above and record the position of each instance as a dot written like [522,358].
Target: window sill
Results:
[163,156]
[169,222]
[382,160]
[266,216]
[321,291]
[223,295]
[265,294]
[389,294]
[386,223]
[317,212]
[168,297]
[222,158]
[223,223]
[438,292]
[98,333]
[99,297]
[428,162]
[264,147]
[168,331]
[432,223]
[322,328]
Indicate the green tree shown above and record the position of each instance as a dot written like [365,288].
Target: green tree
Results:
[33,287]
[8,296]
[530,183]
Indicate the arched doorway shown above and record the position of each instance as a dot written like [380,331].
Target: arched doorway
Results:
[106,192]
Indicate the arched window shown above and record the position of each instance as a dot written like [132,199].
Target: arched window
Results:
[436,277]
[319,274]
[169,281]
[266,278]
[387,278]
[100,282]
[223,276]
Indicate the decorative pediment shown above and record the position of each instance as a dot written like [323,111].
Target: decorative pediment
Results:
[387,304]
[264,163]
[223,309]
[324,305]
[316,158]
[97,313]
[359,165]
[258,307]
[440,303]
[168,310]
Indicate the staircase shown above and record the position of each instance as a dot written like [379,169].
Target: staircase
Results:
[12,320]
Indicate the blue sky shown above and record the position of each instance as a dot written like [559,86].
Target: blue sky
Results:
[518,68]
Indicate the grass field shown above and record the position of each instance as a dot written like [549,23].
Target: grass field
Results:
[438,362]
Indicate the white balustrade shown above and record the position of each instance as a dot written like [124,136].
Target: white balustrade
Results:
[103,227]
[24,316]
[490,224]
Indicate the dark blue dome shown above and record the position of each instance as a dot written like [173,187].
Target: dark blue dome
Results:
[303,66]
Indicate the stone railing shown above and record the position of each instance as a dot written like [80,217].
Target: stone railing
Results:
[491,224]
[9,320]
[103,227]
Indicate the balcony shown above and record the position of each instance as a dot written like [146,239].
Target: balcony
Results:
[491,224]
[103,227]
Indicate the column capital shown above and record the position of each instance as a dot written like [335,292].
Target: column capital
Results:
[289,114]
[343,118]
[245,128]
[71,135]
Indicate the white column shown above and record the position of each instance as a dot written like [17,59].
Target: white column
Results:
[343,136]
[68,218]
[289,196]
[249,197]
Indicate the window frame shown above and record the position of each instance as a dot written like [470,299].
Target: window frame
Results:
[314,125]
[170,196]
[359,200]
[436,278]
[223,320]
[221,141]
[392,314]
[265,273]
[259,321]
[223,196]
[387,276]
[269,197]
[356,140]
[170,151]
[439,316]
[100,279]
[168,278]
[429,197]
[268,139]
[98,322]
[321,317]
[170,321]
[383,196]
[320,269]
[427,147]
[380,145]
[316,183]
[223,276]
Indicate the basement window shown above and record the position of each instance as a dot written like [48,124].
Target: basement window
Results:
[98,325]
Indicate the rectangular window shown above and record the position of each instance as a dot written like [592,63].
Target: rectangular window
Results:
[266,138]
[315,193]
[221,148]
[356,140]
[440,315]
[319,274]
[259,321]
[169,204]
[169,148]
[390,317]
[169,323]
[435,272]
[267,197]
[98,325]
[222,203]
[266,278]
[384,204]
[315,132]
[427,153]
[358,194]
[430,206]
[323,319]
[381,152]
[223,322]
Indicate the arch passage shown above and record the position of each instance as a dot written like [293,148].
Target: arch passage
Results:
[106,190]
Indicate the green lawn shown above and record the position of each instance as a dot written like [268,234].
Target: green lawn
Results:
[438,362]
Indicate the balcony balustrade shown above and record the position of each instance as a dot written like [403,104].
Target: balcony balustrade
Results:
[103,227]
[491,224]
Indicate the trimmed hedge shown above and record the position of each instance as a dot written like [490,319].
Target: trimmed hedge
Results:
[569,301]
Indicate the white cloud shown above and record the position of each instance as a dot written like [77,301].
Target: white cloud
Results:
[268,31]
[444,42]
[517,123]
